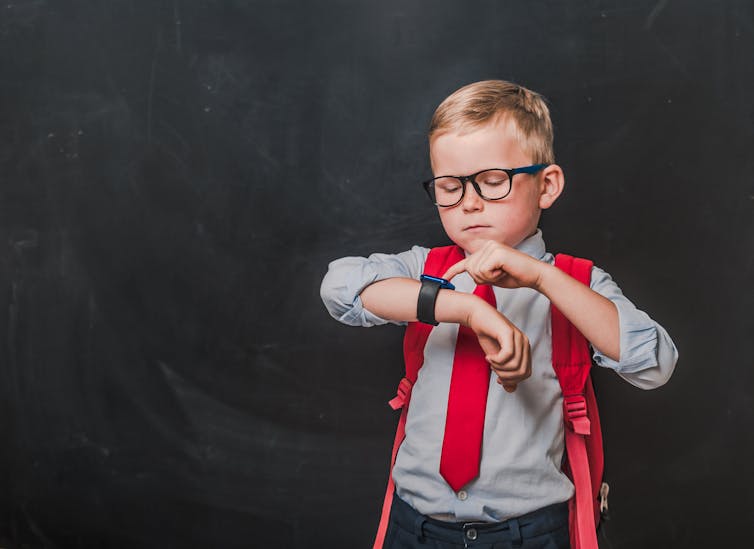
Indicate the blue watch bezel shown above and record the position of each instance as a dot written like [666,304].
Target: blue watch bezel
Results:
[444,284]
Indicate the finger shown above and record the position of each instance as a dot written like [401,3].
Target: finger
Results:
[490,274]
[518,368]
[478,278]
[505,280]
[509,386]
[519,359]
[508,359]
[527,359]
[474,268]
[514,364]
[479,265]
[491,263]
[454,270]
[490,343]
[505,353]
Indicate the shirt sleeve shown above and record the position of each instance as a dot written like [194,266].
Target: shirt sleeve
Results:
[647,354]
[348,276]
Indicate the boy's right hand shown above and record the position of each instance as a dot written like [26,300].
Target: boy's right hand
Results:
[506,347]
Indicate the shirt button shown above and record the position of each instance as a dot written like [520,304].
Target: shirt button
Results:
[462,495]
[471,534]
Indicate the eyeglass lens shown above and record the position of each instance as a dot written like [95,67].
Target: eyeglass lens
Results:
[493,184]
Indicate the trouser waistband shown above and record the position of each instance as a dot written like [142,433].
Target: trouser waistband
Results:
[530,525]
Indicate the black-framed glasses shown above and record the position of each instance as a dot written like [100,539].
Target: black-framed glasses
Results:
[490,184]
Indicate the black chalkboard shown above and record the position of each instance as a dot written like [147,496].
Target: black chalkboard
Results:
[175,176]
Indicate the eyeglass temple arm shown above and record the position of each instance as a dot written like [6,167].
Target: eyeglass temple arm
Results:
[529,169]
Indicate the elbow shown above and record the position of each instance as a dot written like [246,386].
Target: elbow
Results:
[342,304]
[659,380]
[666,367]
[655,376]
[329,295]
[667,358]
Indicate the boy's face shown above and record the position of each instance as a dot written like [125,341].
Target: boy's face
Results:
[474,220]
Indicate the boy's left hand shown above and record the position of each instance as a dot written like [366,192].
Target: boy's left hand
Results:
[501,266]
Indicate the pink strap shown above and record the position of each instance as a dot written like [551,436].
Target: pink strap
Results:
[584,529]
[572,362]
[400,434]
[438,261]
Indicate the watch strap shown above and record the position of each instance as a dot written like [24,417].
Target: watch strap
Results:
[425,304]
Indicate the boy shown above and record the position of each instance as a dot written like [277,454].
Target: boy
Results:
[492,156]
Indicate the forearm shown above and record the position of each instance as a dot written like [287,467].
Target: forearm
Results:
[595,316]
[347,277]
[395,299]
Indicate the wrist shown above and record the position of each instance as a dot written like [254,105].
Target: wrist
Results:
[543,279]
[470,308]
[457,307]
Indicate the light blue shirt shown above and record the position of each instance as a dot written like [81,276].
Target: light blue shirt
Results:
[522,446]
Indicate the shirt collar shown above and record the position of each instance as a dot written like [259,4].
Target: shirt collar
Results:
[533,245]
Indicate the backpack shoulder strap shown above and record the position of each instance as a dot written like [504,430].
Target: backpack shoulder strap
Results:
[438,261]
[570,350]
[571,361]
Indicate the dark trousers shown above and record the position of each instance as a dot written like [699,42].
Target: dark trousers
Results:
[546,528]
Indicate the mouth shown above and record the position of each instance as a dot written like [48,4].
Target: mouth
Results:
[475,227]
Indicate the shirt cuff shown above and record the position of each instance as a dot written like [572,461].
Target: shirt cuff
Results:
[638,343]
[359,316]
[342,293]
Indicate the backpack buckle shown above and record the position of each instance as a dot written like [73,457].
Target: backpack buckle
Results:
[604,511]
[575,414]
[402,394]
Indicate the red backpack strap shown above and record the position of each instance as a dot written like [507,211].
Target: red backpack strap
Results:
[571,360]
[438,261]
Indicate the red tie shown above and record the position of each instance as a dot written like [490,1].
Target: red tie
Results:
[467,402]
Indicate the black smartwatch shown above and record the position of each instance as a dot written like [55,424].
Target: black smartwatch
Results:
[425,305]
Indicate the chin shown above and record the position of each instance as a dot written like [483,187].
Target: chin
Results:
[470,245]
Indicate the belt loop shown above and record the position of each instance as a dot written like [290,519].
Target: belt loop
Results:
[515,532]
[419,527]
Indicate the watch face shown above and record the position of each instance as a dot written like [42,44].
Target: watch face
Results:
[440,281]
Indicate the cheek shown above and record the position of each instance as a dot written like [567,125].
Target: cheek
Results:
[448,220]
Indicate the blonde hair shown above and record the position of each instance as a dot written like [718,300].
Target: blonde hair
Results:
[487,101]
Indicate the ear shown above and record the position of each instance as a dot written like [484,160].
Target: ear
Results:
[553,182]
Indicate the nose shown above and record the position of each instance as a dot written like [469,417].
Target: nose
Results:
[471,201]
